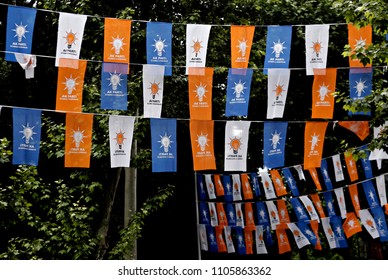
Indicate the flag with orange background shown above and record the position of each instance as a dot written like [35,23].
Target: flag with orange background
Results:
[318,205]
[200,92]
[220,239]
[241,45]
[324,86]
[222,219]
[249,216]
[70,87]
[278,182]
[284,218]
[201,135]
[351,166]
[248,240]
[314,176]
[283,242]
[246,186]
[353,192]
[360,128]
[314,137]
[315,226]
[78,140]
[359,38]
[219,186]
[351,225]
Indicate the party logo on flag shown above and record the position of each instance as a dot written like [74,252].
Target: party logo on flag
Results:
[309,207]
[351,225]
[369,223]
[330,203]
[231,214]
[325,175]
[204,216]
[228,190]
[278,182]
[236,145]
[273,214]
[262,214]
[200,93]
[358,39]
[370,194]
[289,178]
[197,37]
[259,238]
[338,172]
[329,233]
[117,34]
[313,145]
[323,93]
[113,90]
[241,45]
[153,78]
[278,80]
[238,92]
[353,193]
[267,184]
[278,47]
[299,209]
[203,237]
[340,239]
[381,223]
[317,44]
[236,187]
[275,135]
[300,239]
[283,243]
[201,134]
[351,166]
[360,86]
[246,187]
[212,239]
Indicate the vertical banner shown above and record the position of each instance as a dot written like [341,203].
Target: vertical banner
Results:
[353,193]
[200,93]
[325,174]
[340,240]
[273,214]
[20,31]
[236,187]
[329,233]
[381,223]
[369,223]
[241,38]
[239,215]
[338,172]
[380,185]
[317,45]
[201,135]
[278,47]
[70,87]
[284,218]
[290,181]
[351,166]
[324,86]
[370,194]
[339,193]
[113,88]
[70,35]
[262,214]
[197,37]
[267,185]
[236,145]
[159,45]
[277,85]
[213,214]
[229,239]
[203,237]
[314,176]
[300,239]
[120,140]
[283,242]
[277,180]
[228,190]
[240,240]
[351,225]
[249,217]
[219,187]
[26,136]
[330,203]
[378,154]
[231,214]
[200,187]
[211,192]
[220,240]
[308,233]
[117,40]
[314,137]
[358,39]
[153,79]
[238,92]
[246,187]
[308,204]
[360,128]
[275,135]
[318,204]
[259,238]
[211,239]
[360,86]
[315,227]
[222,220]
[255,183]
[164,145]
[299,210]
[78,140]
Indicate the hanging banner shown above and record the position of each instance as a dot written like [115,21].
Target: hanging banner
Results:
[339,193]
[308,233]
[229,239]
[159,45]
[338,172]
[370,194]
[220,240]
[78,140]
[203,237]
[369,223]
[20,31]
[324,86]
[240,240]
[267,185]
[213,214]
[236,145]
[351,225]
[299,209]
[231,214]
[315,226]
[325,175]
[200,93]
[278,47]
[222,220]
[246,187]
[70,88]
[299,169]
[365,162]
[153,80]
[314,137]
[359,38]
[236,187]
[317,45]
[228,190]
[200,187]
[284,218]
[219,186]
[275,135]
[380,184]
[239,215]
[378,154]
[381,223]
[283,242]
[360,128]
[277,180]
[318,204]
[360,86]
[26,136]
[241,38]
[290,181]
[238,92]
[300,239]
[308,205]
[340,240]
[329,233]
[262,214]
[277,85]
[211,239]
[314,176]
[329,203]
[197,37]
[351,166]
[273,214]
[120,140]
[201,135]
[164,145]
[255,183]
[204,216]
[249,217]
[259,238]
[70,35]
[113,88]
[353,193]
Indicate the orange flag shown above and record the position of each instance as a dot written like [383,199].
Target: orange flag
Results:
[360,128]
[249,216]
[78,140]
[284,218]
[283,242]
[220,239]
[246,186]
[222,219]
[69,87]
[248,240]
[218,183]
[241,45]
[277,180]
[357,38]
[351,166]
[314,226]
[200,93]
[314,136]
[386,209]
[201,134]
[324,86]
[318,205]
[314,176]
[117,35]
[351,225]
[353,192]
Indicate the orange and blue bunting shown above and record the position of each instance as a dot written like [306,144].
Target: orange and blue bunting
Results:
[299,210]
[275,135]
[291,183]
[370,194]
[204,215]
[262,214]
[360,86]
[307,231]
[379,217]
[329,204]
[211,238]
[228,190]
[241,248]
[255,184]
[114,95]
[238,92]
[366,164]
[231,214]
[339,234]
[325,174]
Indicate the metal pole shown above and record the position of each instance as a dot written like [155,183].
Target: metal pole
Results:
[197,215]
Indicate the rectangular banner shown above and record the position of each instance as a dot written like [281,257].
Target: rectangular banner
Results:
[324,86]
[359,38]
[231,214]
[228,189]
[314,137]
[262,214]
[236,145]
[238,92]
[318,204]
[117,41]
[325,174]
[229,239]
[202,138]
[246,187]
[329,200]
[236,182]
[164,145]
[204,215]
[278,81]
[70,88]
[26,136]
[197,37]
[317,45]
[159,45]
[203,237]
[370,194]
[241,38]
[340,239]
[351,166]
[284,217]
[209,186]
[70,35]
[360,86]
[353,193]
[219,187]
[299,209]
[20,31]
[381,222]
[300,239]
[78,140]
[273,214]
[307,231]
[380,185]
[278,47]
[360,128]
[291,183]
[309,206]
[200,93]
[369,223]
[239,215]
[339,193]
[277,180]
[259,238]
[120,140]
[351,225]
[329,233]
[221,214]
[220,239]
[275,135]
[269,190]
[153,84]
[338,172]
[114,92]
[213,214]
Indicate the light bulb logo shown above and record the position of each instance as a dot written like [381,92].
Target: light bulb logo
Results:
[165,142]
[275,140]
[70,84]
[78,137]
[278,90]
[202,141]
[201,91]
[323,91]
[114,80]
[28,133]
[154,89]
[20,31]
[317,47]
[120,139]
[159,46]
[235,144]
[278,48]
[314,141]
[70,39]
[118,44]
[360,87]
[197,47]
[242,47]
[239,89]
[360,43]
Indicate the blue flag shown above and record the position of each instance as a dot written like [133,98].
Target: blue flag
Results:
[370,194]
[275,135]
[26,136]
[299,210]
[164,145]
[212,239]
[339,234]
[159,45]
[291,183]
[240,240]
[228,189]
[201,187]
[278,47]
[230,214]
[329,203]
[325,175]
[255,184]
[204,214]
[379,217]
[262,214]
[238,92]
[366,164]
[304,226]
[114,95]
[360,86]
[20,30]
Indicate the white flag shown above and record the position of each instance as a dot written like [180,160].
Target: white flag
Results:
[70,35]
[369,223]
[329,233]
[203,237]
[259,236]
[299,169]
[378,154]
[210,186]
[300,239]
[239,216]
[273,214]
[278,80]
[120,140]
[308,204]
[229,240]
[153,79]
[197,37]
[27,62]
[339,193]
[338,172]
[380,183]
[213,214]
[236,145]
[267,183]
[236,187]
[317,44]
